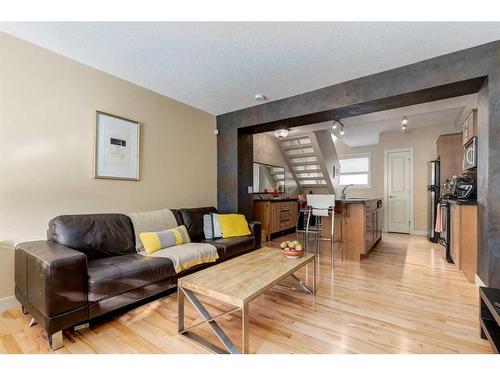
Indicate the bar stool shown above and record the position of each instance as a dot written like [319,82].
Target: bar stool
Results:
[319,207]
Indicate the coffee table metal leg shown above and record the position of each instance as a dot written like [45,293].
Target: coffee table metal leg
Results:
[180,309]
[221,335]
[244,329]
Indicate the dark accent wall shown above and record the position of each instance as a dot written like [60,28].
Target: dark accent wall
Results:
[446,76]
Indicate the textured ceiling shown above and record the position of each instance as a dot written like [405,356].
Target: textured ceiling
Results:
[219,67]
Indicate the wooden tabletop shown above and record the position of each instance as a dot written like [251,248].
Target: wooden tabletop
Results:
[239,280]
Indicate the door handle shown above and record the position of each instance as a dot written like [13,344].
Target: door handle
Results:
[392,196]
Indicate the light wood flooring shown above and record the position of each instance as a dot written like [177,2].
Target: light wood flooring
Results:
[402,298]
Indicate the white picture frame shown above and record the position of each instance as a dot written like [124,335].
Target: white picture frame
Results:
[117,146]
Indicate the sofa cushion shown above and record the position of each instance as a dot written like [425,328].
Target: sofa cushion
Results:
[151,221]
[110,277]
[192,218]
[229,247]
[96,235]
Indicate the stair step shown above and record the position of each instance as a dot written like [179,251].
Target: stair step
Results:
[304,155]
[307,171]
[305,163]
[297,142]
[310,177]
[309,181]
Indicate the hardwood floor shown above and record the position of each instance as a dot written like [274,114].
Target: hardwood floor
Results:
[402,298]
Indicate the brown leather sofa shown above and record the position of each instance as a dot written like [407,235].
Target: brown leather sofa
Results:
[88,267]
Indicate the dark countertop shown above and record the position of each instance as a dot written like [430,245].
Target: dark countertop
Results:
[464,202]
[277,200]
[357,200]
[347,200]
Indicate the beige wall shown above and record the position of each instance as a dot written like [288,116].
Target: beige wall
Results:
[423,142]
[47,110]
[267,150]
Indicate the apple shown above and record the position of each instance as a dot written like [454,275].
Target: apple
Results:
[291,245]
[296,242]
[286,249]
[299,248]
[283,244]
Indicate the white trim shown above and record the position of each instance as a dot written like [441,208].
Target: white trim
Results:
[478,281]
[386,212]
[7,303]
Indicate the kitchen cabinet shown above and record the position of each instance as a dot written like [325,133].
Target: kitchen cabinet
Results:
[276,216]
[463,242]
[449,152]
[469,127]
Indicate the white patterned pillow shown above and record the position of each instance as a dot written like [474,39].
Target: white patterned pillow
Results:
[211,226]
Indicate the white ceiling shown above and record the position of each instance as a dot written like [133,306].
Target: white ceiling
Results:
[219,67]
[365,129]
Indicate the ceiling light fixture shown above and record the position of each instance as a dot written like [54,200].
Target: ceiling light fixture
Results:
[260,97]
[335,124]
[281,133]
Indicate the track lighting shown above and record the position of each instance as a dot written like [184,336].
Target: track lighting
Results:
[335,125]
[342,132]
[404,124]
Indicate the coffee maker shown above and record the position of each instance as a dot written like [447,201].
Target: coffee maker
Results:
[462,187]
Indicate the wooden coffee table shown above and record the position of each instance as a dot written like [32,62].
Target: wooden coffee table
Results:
[236,282]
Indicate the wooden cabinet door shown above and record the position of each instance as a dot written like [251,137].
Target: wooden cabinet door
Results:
[456,234]
[450,153]
[469,127]
[275,218]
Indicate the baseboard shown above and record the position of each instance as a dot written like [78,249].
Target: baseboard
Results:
[478,281]
[8,303]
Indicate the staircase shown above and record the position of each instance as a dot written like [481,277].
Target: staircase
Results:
[305,158]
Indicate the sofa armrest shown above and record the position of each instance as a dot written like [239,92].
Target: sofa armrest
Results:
[52,277]
[256,230]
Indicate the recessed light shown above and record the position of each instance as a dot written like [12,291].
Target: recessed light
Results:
[260,97]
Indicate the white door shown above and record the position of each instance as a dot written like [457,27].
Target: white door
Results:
[398,191]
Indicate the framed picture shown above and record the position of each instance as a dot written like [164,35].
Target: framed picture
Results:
[116,147]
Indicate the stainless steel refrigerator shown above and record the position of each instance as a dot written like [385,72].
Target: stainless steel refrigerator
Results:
[433,197]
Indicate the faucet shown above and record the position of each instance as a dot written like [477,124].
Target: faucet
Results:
[343,196]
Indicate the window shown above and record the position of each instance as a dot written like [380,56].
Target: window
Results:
[356,170]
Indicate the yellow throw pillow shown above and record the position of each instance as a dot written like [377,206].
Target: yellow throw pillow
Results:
[233,225]
[154,241]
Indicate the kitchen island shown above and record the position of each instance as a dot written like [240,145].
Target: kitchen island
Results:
[361,220]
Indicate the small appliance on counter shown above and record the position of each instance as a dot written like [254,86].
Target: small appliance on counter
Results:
[462,187]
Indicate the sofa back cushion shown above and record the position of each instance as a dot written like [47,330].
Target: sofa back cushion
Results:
[96,235]
[192,218]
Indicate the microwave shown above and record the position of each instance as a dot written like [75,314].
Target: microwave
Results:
[470,154]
